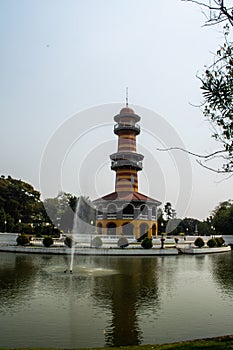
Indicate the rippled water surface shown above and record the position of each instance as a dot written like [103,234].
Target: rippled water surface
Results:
[113,300]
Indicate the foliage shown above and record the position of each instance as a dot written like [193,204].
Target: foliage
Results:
[217,87]
[223,218]
[96,242]
[68,242]
[219,241]
[211,243]
[171,213]
[199,242]
[147,243]
[47,241]
[22,239]
[122,242]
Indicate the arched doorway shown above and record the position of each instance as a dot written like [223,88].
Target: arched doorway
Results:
[111,228]
[99,228]
[144,228]
[154,230]
[127,229]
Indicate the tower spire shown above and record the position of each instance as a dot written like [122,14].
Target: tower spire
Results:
[127,97]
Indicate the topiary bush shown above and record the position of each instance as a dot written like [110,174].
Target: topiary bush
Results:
[147,243]
[47,241]
[211,243]
[96,242]
[199,242]
[68,241]
[220,241]
[22,239]
[122,242]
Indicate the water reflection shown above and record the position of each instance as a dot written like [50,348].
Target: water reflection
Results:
[134,287]
[113,301]
[222,269]
[17,274]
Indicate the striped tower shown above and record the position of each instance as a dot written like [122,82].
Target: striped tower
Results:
[126,162]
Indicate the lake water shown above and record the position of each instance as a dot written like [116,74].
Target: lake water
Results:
[113,300]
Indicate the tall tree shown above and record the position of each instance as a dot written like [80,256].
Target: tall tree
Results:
[217,87]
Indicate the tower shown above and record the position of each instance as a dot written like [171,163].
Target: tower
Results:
[126,211]
[126,162]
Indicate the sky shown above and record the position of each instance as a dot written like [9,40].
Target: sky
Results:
[64,69]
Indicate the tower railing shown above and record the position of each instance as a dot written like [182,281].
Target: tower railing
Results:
[122,163]
[128,126]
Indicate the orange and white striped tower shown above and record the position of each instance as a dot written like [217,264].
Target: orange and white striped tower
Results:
[126,162]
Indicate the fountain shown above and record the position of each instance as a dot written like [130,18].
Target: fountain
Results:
[81,225]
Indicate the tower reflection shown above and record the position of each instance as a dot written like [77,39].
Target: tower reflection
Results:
[125,295]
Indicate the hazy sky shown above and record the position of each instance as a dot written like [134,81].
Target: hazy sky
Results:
[59,58]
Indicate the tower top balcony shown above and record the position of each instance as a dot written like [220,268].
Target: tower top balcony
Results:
[128,114]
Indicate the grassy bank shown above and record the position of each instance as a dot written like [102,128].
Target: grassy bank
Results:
[224,342]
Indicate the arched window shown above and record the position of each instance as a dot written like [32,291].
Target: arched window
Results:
[128,211]
[111,211]
[100,211]
[111,228]
[153,212]
[99,228]
[144,211]
[128,229]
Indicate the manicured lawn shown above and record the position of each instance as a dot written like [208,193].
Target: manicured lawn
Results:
[225,342]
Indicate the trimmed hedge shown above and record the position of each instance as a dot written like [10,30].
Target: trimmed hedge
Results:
[211,243]
[47,241]
[147,243]
[68,242]
[22,239]
[220,241]
[96,242]
[199,242]
[122,242]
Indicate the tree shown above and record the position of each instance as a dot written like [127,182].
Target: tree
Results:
[171,213]
[215,11]
[223,218]
[217,87]
[20,201]
[2,220]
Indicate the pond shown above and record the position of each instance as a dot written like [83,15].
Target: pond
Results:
[113,301]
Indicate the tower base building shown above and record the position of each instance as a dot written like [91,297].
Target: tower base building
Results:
[126,211]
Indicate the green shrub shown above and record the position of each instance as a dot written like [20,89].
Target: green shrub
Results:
[199,242]
[22,239]
[211,243]
[47,241]
[68,241]
[96,242]
[122,242]
[147,243]
[220,241]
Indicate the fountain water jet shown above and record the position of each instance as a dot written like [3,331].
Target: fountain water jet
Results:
[81,224]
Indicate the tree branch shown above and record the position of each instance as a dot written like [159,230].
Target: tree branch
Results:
[191,153]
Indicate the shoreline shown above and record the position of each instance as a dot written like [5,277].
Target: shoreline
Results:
[133,251]
[215,343]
